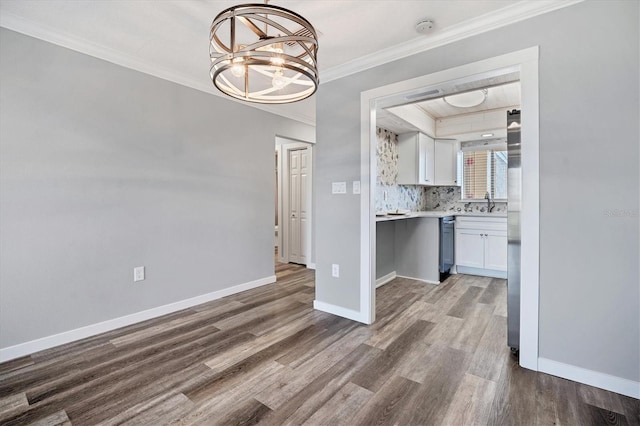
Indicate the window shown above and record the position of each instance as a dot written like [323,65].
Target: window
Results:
[483,171]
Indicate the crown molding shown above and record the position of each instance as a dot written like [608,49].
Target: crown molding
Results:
[21,25]
[484,23]
[490,21]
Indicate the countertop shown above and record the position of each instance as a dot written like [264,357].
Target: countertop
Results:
[437,214]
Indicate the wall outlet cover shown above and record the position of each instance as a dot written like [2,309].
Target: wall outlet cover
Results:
[138,273]
[335,270]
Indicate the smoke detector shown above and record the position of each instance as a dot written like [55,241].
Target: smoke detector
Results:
[424,26]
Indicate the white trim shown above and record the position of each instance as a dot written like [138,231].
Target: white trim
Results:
[337,310]
[481,272]
[419,279]
[589,377]
[281,257]
[526,61]
[283,146]
[47,342]
[311,265]
[19,24]
[367,208]
[386,279]
[472,27]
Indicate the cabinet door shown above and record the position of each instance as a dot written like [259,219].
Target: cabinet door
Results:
[426,160]
[470,248]
[446,161]
[408,159]
[495,256]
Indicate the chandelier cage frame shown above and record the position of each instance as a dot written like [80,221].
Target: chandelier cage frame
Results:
[268,69]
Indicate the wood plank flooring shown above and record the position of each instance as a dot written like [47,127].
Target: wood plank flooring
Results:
[436,355]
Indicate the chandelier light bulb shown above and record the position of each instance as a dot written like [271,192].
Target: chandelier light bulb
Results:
[237,69]
[278,61]
[278,79]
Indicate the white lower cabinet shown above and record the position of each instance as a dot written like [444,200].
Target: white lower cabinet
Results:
[481,245]
[495,250]
[469,245]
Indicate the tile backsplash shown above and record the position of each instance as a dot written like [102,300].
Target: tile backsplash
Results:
[407,197]
[447,198]
[414,198]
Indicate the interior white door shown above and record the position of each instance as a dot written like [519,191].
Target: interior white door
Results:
[298,175]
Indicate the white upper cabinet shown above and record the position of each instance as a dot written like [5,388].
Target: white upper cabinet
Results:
[446,161]
[425,161]
[415,159]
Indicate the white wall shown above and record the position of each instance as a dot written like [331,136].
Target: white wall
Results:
[103,169]
[589,150]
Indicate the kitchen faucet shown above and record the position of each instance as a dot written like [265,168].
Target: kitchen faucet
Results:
[490,203]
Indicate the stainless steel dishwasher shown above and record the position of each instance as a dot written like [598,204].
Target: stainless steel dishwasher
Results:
[446,246]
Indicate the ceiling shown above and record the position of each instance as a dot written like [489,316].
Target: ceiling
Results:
[170,38]
[505,95]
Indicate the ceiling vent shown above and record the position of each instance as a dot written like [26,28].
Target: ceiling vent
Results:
[302,32]
[424,95]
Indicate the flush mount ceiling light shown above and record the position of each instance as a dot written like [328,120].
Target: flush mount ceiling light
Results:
[467,99]
[263,54]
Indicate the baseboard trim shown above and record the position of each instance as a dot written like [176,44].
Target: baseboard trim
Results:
[338,310]
[48,342]
[481,272]
[589,377]
[385,279]
[418,279]
[311,265]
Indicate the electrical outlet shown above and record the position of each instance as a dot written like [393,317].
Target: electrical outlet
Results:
[138,273]
[335,270]
[356,186]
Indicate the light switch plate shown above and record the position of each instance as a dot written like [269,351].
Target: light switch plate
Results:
[356,186]
[335,270]
[339,187]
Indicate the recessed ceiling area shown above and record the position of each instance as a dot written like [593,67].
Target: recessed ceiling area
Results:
[439,119]
[505,95]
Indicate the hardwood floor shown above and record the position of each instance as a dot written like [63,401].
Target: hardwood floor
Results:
[436,355]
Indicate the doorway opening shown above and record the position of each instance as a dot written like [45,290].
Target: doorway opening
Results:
[525,63]
[294,164]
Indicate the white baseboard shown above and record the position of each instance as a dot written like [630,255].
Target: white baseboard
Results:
[338,310]
[418,279]
[481,272]
[311,265]
[48,342]
[589,377]
[385,279]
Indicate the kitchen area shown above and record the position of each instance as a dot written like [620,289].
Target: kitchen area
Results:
[441,185]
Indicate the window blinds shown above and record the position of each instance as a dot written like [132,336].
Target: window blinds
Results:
[483,171]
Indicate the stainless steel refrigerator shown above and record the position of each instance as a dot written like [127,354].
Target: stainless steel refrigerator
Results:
[514,195]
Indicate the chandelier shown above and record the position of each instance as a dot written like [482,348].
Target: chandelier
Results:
[263,54]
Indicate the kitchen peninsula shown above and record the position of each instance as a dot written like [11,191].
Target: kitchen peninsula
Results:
[409,245]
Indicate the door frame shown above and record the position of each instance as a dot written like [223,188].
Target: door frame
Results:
[526,62]
[283,146]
